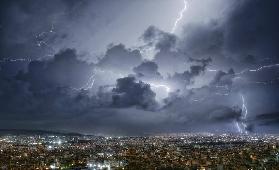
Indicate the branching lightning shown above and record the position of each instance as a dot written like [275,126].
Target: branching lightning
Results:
[42,38]
[241,124]
[181,14]
[258,69]
[238,75]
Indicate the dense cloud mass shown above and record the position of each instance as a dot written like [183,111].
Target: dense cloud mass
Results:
[130,93]
[217,74]
[119,59]
[64,70]
[252,29]
[148,69]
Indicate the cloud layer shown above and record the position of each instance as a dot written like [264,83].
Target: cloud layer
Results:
[211,76]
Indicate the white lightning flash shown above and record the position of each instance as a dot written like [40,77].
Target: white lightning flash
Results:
[181,14]
[244,108]
[241,126]
[161,90]
[238,127]
[160,86]
[149,51]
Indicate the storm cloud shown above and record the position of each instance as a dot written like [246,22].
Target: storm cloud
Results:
[63,66]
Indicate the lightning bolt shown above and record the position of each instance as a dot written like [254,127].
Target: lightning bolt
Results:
[244,107]
[241,126]
[90,83]
[238,127]
[149,51]
[181,14]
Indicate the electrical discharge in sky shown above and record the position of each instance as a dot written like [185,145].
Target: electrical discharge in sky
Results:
[91,80]
[245,113]
[160,86]
[89,84]
[181,14]
[149,51]
[242,128]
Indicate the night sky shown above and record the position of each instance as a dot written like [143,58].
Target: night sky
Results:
[125,67]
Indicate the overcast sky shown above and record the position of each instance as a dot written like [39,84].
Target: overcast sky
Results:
[124,67]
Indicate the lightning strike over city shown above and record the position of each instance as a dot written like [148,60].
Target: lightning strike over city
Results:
[139,85]
[244,111]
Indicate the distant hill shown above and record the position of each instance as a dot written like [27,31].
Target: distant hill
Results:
[36,132]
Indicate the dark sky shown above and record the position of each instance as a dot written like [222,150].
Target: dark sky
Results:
[139,67]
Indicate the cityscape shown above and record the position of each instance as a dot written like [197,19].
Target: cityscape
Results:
[189,151]
[139,85]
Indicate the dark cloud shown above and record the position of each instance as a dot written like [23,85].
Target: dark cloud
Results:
[128,92]
[223,79]
[202,61]
[203,40]
[170,62]
[120,59]
[168,59]
[201,109]
[226,114]
[147,69]
[25,24]
[244,37]
[64,70]
[160,39]
[252,29]
[42,92]
[187,77]
[268,119]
